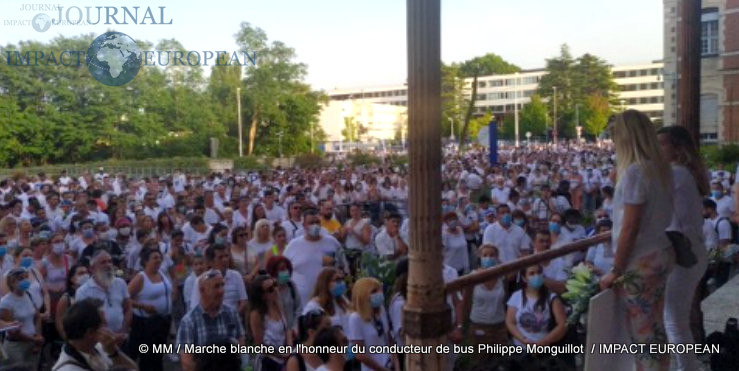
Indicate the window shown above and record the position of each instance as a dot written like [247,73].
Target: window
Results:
[643,72]
[654,85]
[481,84]
[709,109]
[709,32]
[632,73]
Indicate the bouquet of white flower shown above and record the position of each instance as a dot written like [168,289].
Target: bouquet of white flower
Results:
[581,286]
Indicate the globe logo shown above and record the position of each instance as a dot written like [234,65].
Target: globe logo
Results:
[41,22]
[113,58]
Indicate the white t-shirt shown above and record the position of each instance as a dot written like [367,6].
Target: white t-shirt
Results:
[487,304]
[455,251]
[500,195]
[396,318]
[688,208]
[112,298]
[510,242]
[22,310]
[307,260]
[340,318]
[635,188]
[533,323]
[359,330]
[725,206]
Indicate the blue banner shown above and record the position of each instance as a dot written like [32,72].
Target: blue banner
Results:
[493,137]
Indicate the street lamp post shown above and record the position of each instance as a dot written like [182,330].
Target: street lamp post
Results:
[528,138]
[623,107]
[279,141]
[577,120]
[238,113]
[554,118]
[451,131]
[515,108]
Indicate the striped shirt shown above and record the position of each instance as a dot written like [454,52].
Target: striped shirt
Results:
[199,328]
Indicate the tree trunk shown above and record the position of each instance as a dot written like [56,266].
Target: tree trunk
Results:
[253,132]
[468,115]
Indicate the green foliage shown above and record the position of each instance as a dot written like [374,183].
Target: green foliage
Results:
[534,117]
[57,113]
[397,160]
[309,161]
[726,155]
[362,158]
[453,102]
[488,64]
[378,267]
[594,116]
[250,163]
[578,83]
[350,130]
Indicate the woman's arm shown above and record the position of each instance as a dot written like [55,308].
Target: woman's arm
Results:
[561,328]
[510,322]
[626,239]
[61,307]
[257,327]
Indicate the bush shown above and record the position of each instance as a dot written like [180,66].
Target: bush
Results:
[249,163]
[363,159]
[309,161]
[714,155]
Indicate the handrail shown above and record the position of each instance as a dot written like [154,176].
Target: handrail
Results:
[479,277]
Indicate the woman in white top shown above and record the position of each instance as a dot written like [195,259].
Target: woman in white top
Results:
[486,306]
[21,345]
[258,246]
[529,314]
[330,297]
[456,253]
[691,183]
[309,325]
[368,325]
[642,211]
[240,239]
[38,292]
[267,322]
[151,294]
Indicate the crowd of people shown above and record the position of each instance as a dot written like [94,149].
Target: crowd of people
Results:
[97,265]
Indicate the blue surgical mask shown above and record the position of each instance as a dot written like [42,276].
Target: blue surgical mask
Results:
[283,277]
[536,281]
[488,262]
[716,194]
[506,220]
[3,251]
[554,227]
[88,233]
[24,285]
[377,300]
[219,240]
[339,289]
[518,222]
[26,262]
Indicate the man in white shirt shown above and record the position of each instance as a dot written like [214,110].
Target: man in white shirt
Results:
[724,203]
[388,242]
[555,270]
[571,232]
[274,212]
[309,253]
[150,206]
[294,224]
[500,193]
[506,236]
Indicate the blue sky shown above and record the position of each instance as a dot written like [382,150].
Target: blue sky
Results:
[363,43]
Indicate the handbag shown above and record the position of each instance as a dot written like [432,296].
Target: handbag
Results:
[684,255]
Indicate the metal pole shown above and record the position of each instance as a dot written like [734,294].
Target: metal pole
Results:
[554,119]
[451,131]
[515,109]
[238,114]
[426,319]
[577,120]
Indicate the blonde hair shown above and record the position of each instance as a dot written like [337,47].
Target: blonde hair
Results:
[361,296]
[635,141]
[259,224]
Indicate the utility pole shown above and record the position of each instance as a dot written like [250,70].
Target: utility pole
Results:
[554,119]
[238,114]
[515,109]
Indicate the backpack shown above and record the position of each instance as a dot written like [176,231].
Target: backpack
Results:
[734,229]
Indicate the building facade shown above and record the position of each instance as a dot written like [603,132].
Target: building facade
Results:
[719,105]
[640,87]
[380,123]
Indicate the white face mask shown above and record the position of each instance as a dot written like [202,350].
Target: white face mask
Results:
[57,248]
[314,230]
[80,280]
[125,231]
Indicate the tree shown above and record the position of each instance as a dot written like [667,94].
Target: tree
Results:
[350,130]
[575,80]
[452,99]
[535,116]
[488,64]
[595,114]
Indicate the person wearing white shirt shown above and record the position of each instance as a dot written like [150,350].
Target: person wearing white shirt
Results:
[294,224]
[500,193]
[572,231]
[724,203]
[454,244]
[150,206]
[218,257]
[274,212]
[309,253]
[388,242]
[165,200]
[506,236]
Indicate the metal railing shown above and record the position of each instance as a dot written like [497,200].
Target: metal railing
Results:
[479,277]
